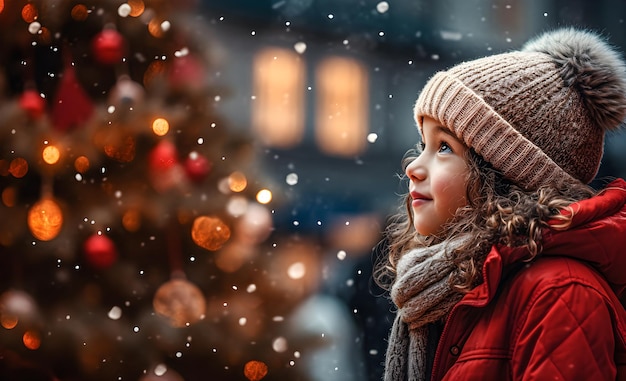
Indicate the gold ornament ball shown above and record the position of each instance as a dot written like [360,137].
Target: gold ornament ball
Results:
[180,301]
[45,219]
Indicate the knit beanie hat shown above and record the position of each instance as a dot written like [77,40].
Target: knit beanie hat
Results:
[536,114]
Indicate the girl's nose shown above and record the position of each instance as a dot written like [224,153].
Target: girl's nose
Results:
[416,170]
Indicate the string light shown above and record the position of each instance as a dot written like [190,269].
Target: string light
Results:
[45,219]
[160,126]
[51,154]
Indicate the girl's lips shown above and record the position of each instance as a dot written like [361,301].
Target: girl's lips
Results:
[419,199]
[417,202]
[419,196]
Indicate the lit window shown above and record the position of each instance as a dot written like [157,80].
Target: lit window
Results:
[342,106]
[278,97]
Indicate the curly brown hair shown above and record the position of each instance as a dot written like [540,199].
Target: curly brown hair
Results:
[498,212]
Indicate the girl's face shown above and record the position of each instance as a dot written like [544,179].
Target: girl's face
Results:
[437,178]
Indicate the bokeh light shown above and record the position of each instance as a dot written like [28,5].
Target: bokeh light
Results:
[264,196]
[18,167]
[160,126]
[122,149]
[30,13]
[79,12]
[34,27]
[180,301]
[255,225]
[137,7]
[233,256]
[124,10]
[210,233]
[51,154]
[16,305]
[31,340]
[45,219]
[154,28]
[237,182]
[81,164]
[255,370]
[44,35]
[8,321]
[280,344]
[131,220]
[9,196]
[297,270]
[154,70]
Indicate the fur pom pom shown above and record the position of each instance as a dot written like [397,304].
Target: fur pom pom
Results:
[593,67]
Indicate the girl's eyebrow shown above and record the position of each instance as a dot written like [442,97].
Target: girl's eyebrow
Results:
[446,131]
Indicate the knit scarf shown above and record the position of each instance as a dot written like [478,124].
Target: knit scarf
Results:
[423,295]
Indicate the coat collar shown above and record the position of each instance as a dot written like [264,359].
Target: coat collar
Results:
[597,235]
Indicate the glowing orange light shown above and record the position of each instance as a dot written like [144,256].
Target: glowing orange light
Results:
[29,13]
[136,7]
[80,12]
[209,232]
[8,321]
[154,28]
[131,220]
[18,167]
[81,164]
[51,154]
[255,370]
[232,256]
[180,301]
[45,219]
[1,5]
[9,196]
[31,340]
[264,196]
[160,126]
[122,150]
[237,182]
[44,35]
[154,70]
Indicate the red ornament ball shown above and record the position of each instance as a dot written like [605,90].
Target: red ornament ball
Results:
[108,47]
[188,73]
[100,251]
[197,167]
[163,156]
[33,103]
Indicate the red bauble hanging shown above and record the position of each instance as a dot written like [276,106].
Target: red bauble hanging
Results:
[187,73]
[33,103]
[100,251]
[72,106]
[197,167]
[163,156]
[108,47]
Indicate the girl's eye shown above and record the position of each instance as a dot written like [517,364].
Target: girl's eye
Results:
[444,147]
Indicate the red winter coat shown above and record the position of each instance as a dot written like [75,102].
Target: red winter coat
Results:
[557,318]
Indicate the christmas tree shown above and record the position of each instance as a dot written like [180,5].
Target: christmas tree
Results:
[133,222]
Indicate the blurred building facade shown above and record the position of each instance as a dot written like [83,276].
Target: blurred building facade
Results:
[328,86]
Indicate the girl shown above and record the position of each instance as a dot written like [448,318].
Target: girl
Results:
[506,265]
